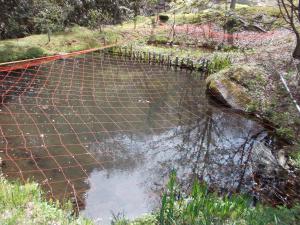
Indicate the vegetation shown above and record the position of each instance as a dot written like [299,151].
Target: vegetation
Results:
[25,204]
[75,39]
[203,207]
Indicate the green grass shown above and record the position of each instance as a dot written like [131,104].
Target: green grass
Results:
[74,39]
[295,155]
[25,204]
[202,207]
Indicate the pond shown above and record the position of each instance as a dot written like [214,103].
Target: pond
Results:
[105,132]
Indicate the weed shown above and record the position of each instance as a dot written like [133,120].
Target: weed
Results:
[218,63]
[25,204]
[204,207]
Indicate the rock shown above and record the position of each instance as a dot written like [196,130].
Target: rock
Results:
[239,87]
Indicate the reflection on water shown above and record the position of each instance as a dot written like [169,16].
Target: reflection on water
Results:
[106,131]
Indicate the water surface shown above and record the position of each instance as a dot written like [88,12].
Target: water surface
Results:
[106,131]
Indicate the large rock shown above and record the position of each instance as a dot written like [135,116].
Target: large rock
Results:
[242,87]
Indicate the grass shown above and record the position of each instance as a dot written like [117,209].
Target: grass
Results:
[25,204]
[73,39]
[202,207]
[34,46]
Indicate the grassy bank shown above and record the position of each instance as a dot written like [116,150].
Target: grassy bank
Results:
[202,207]
[25,204]
[74,39]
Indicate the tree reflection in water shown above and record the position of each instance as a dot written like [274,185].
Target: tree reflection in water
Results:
[227,152]
[131,124]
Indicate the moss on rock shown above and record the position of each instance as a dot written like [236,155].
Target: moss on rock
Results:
[240,87]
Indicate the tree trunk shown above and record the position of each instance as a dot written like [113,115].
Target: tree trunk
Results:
[296,53]
[232,4]
[49,35]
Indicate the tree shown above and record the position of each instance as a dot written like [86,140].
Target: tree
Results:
[232,4]
[290,10]
[136,9]
[15,18]
[49,16]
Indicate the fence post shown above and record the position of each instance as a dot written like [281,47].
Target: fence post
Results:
[181,63]
[125,51]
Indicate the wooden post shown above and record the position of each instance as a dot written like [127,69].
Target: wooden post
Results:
[168,61]
[176,62]
[188,63]
[144,53]
[149,57]
[206,65]
[181,63]
[154,57]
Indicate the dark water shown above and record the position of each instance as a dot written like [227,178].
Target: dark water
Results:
[106,131]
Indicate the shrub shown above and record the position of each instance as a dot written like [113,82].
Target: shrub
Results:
[33,52]
[163,18]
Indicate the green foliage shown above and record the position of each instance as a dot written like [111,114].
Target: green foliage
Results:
[252,107]
[96,18]
[204,207]
[158,39]
[11,52]
[49,17]
[282,121]
[218,63]
[232,24]
[24,204]
[20,18]
[33,52]
[296,155]
[286,133]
